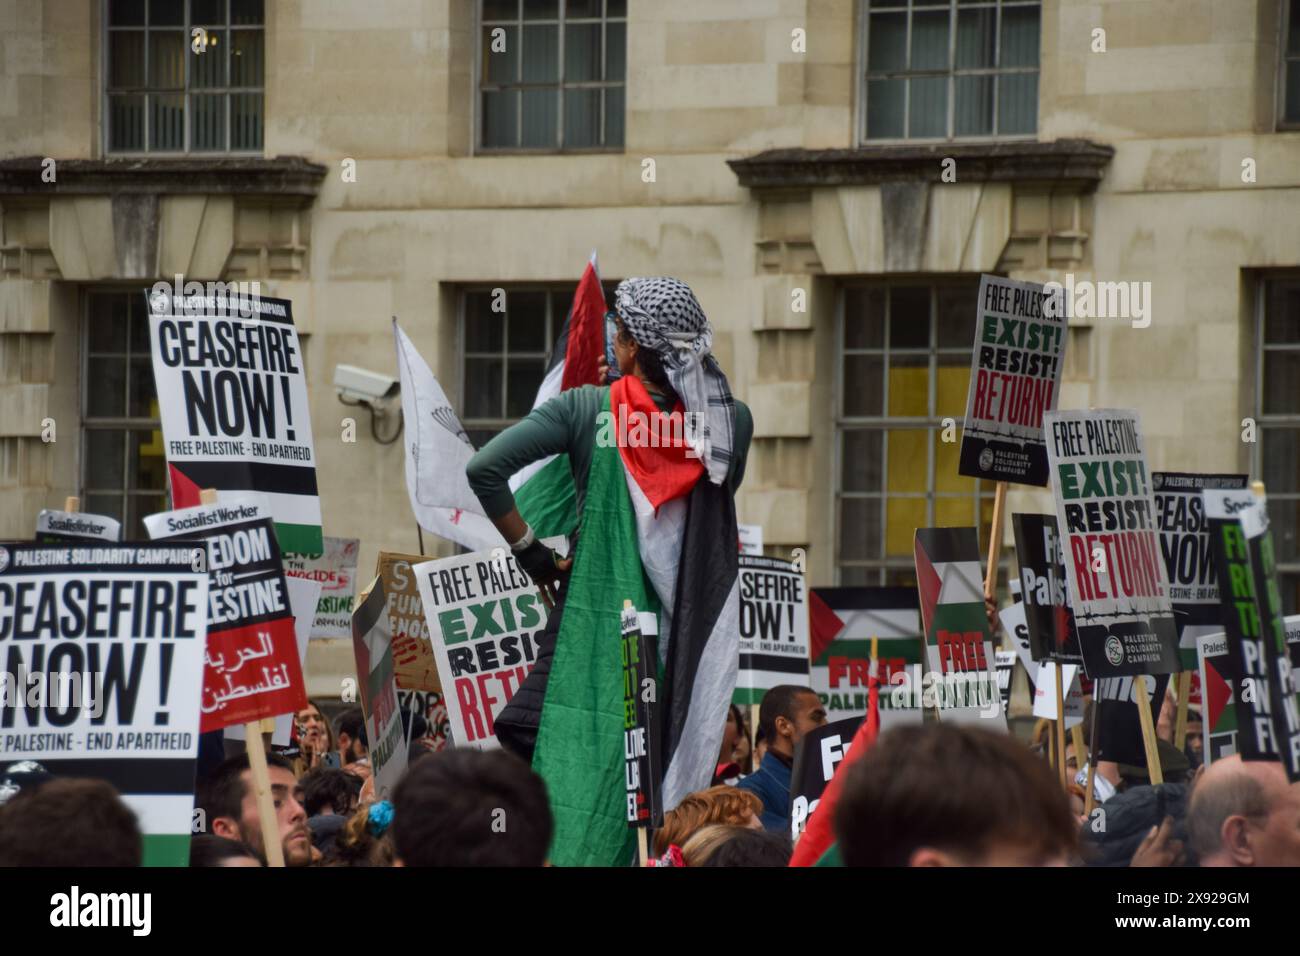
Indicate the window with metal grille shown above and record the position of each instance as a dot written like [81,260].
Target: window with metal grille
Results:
[903,367]
[184,76]
[123,467]
[552,74]
[1277,414]
[950,69]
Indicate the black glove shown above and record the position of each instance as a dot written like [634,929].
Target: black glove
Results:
[541,563]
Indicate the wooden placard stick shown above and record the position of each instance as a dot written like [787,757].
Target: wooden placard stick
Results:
[995,541]
[1060,725]
[1148,732]
[1090,793]
[642,846]
[72,503]
[255,745]
[1080,748]
[1184,690]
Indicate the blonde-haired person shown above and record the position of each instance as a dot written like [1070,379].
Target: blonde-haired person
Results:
[315,739]
[721,804]
[725,845]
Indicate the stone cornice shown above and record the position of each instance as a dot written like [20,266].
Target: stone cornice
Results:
[281,176]
[1074,162]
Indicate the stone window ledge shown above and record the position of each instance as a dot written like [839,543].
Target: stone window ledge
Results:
[281,176]
[1075,162]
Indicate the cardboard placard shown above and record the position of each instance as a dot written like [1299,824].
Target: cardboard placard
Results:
[232,398]
[959,648]
[816,757]
[1188,555]
[842,623]
[1106,515]
[773,628]
[373,646]
[54,526]
[249,619]
[484,613]
[102,666]
[642,738]
[1044,590]
[412,651]
[1015,379]
[335,569]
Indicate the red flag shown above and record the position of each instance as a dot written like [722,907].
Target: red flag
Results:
[663,470]
[819,835]
[586,342]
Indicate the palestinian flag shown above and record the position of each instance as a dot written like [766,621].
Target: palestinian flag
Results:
[819,836]
[655,534]
[544,490]
[958,644]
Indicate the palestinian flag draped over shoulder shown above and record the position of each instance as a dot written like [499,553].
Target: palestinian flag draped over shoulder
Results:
[655,534]
[544,490]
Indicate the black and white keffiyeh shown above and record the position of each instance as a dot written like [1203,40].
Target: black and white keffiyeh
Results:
[663,315]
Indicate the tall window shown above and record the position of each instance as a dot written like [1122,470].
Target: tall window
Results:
[1278,413]
[1289,105]
[184,76]
[904,366]
[950,69]
[507,351]
[552,74]
[123,469]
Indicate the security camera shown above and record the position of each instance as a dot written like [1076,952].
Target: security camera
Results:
[362,385]
[374,390]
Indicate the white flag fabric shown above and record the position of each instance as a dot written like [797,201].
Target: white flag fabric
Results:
[437,451]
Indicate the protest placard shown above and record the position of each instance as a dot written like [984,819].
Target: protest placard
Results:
[1242,625]
[815,758]
[773,628]
[1012,619]
[1045,693]
[1105,513]
[1189,559]
[335,569]
[1281,684]
[102,653]
[484,614]
[1005,662]
[959,648]
[55,526]
[1015,379]
[751,538]
[1119,724]
[430,705]
[373,646]
[232,398]
[303,597]
[642,738]
[413,658]
[249,617]
[842,622]
[1218,702]
[1043,590]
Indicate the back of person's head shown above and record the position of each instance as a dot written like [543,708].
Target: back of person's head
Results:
[720,804]
[941,793]
[780,701]
[721,845]
[330,790]
[465,807]
[69,822]
[207,850]
[353,723]
[1243,813]
[365,839]
[222,792]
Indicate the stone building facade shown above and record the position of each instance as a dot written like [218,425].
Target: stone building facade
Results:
[830,176]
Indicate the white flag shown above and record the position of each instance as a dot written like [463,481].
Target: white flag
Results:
[437,451]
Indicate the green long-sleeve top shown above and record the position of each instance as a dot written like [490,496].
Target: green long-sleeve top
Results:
[567,423]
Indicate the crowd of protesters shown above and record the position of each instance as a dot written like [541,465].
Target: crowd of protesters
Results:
[932,794]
